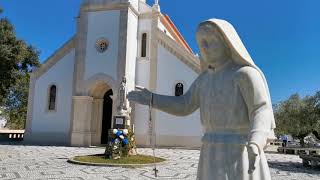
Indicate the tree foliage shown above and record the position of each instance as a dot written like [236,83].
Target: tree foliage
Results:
[298,116]
[17,60]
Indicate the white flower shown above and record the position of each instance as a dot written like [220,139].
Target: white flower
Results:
[121,137]
[125,131]
[115,131]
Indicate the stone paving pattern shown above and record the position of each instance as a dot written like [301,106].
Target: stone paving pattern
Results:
[21,162]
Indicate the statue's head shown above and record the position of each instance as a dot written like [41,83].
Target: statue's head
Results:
[124,80]
[218,41]
[212,44]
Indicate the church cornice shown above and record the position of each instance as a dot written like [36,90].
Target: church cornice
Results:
[180,52]
[108,6]
[53,59]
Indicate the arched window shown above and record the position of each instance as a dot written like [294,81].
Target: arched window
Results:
[144,45]
[178,89]
[52,97]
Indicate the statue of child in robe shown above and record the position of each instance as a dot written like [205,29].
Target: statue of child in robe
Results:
[123,95]
[235,106]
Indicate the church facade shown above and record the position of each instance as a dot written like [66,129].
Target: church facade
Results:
[74,95]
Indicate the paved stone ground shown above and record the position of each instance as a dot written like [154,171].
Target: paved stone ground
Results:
[49,162]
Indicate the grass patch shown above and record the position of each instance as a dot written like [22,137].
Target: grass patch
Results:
[100,158]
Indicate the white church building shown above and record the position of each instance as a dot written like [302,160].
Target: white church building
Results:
[74,94]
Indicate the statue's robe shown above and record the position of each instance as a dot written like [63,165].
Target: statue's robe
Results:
[234,111]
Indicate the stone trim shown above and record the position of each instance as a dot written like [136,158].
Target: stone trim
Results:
[82,109]
[85,98]
[122,48]
[109,6]
[177,50]
[32,86]
[96,121]
[80,53]
[56,57]
[146,15]
[89,84]
[154,58]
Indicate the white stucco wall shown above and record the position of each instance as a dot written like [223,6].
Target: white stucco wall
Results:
[102,24]
[142,77]
[171,71]
[141,112]
[61,75]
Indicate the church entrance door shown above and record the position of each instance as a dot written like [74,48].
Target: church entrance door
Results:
[106,116]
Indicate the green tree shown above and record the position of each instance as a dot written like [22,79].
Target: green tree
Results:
[297,116]
[16,103]
[17,60]
[316,104]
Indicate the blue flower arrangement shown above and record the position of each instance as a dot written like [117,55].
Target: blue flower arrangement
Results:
[121,143]
[120,136]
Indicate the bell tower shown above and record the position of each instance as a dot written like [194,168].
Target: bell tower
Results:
[106,51]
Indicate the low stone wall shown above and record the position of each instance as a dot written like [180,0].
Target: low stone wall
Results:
[299,150]
[11,135]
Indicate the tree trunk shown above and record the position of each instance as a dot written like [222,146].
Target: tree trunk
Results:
[302,144]
[316,134]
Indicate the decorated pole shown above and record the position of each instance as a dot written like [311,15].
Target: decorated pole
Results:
[152,136]
[151,132]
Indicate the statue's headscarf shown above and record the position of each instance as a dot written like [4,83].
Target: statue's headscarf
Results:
[241,56]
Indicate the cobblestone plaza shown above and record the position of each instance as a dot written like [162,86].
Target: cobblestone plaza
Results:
[50,162]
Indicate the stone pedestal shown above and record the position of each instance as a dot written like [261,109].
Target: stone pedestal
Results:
[121,122]
[81,123]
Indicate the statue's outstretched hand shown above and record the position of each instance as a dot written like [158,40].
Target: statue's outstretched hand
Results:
[253,153]
[141,97]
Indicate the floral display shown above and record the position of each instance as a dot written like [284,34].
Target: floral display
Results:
[121,144]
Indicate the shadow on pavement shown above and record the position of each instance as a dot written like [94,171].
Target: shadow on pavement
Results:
[295,167]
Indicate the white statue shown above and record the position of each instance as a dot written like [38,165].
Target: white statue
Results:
[123,95]
[235,107]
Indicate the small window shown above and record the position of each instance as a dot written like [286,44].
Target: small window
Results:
[179,89]
[144,45]
[52,97]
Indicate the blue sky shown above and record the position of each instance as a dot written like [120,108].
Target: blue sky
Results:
[282,36]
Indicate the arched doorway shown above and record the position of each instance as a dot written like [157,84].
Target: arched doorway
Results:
[106,116]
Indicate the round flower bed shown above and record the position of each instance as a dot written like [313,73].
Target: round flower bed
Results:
[129,161]
[120,151]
